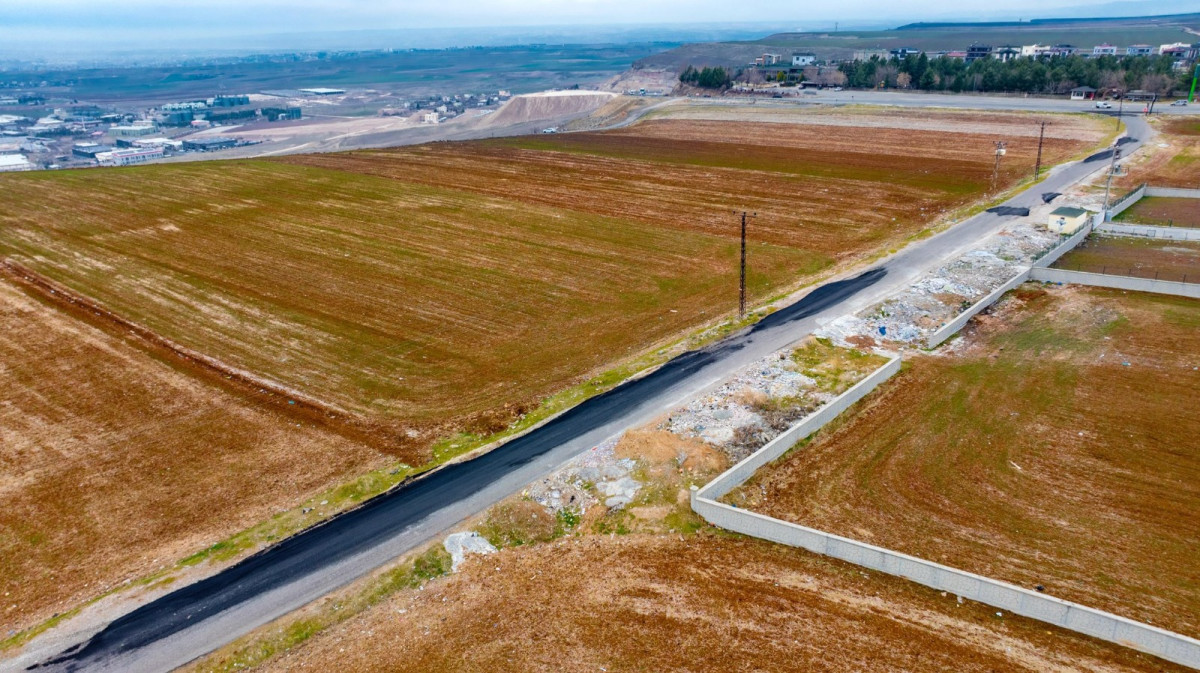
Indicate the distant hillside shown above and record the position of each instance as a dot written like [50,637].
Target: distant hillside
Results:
[1086,33]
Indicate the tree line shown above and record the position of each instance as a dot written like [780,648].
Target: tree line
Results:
[1055,75]
[706,77]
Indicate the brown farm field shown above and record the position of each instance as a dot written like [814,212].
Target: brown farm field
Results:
[1163,211]
[1056,446]
[1176,165]
[116,461]
[682,604]
[455,285]
[1128,256]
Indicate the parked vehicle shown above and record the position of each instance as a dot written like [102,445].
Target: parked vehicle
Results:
[1103,105]
[1179,103]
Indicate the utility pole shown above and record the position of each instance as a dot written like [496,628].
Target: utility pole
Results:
[1000,151]
[1112,167]
[742,280]
[1120,109]
[1037,168]
[1195,76]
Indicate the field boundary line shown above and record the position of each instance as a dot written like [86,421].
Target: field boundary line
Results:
[1171,287]
[1173,647]
[1173,192]
[60,294]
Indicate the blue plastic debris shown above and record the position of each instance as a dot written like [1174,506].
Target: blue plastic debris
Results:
[883,330]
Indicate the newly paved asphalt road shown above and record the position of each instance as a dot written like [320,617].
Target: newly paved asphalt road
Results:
[203,616]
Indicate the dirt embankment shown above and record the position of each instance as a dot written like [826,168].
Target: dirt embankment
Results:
[549,105]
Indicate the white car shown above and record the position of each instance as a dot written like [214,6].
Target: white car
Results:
[1180,102]
[1103,105]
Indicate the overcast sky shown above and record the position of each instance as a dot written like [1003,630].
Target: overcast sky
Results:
[100,21]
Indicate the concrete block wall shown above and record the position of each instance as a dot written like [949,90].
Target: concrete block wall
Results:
[1176,288]
[1173,192]
[1125,202]
[736,475]
[951,328]
[1064,247]
[1173,647]
[1148,231]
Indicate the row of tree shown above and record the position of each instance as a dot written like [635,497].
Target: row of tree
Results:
[1057,75]
[706,78]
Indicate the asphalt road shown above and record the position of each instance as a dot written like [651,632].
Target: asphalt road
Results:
[198,618]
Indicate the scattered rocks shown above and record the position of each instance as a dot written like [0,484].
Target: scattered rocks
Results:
[458,545]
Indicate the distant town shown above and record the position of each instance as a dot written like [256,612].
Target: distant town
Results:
[35,135]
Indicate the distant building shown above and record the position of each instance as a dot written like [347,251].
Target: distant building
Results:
[429,118]
[1104,50]
[178,118]
[158,142]
[771,59]
[134,131]
[127,157]
[1139,50]
[868,54]
[89,150]
[802,59]
[10,163]
[1083,93]
[322,91]
[978,51]
[1066,220]
[1034,50]
[901,52]
[281,114]
[1006,53]
[1180,51]
[209,144]
[1062,50]
[186,106]
[228,101]
[960,55]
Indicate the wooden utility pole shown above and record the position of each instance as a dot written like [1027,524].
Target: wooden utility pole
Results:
[1037,168]
[742,279]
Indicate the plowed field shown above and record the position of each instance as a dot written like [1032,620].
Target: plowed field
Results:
[1164,211]
[116,461]
[457,284]
[1128,256]
[643,603]
[1058,448]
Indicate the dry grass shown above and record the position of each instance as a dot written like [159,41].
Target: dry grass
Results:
[697,603]
[1128,256]
[1058,448]
[116,461]
[1176,165]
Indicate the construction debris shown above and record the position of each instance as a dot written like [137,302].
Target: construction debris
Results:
[460,544]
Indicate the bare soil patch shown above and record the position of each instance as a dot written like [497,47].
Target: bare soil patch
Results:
[696,603]
[115,461]
[1057,447]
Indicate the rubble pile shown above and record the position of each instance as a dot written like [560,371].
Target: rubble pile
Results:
[928,304]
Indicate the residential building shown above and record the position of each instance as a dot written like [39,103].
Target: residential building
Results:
[429,118]
[1180,51]
[1006,53]
[978,51]
[127,157]
[868,54]
[1083,93]
[960,55]
[1104,50]
[901,52]
[10,163]
[1035,50]
[771,59]
[802,59]
[1139,50]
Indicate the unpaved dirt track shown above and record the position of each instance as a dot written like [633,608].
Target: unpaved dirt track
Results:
[201,617]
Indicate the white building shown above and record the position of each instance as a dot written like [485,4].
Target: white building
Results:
[132,131]
[429,118]
[14,162]
[133,155]
[183,107]
[158,142]
[1104,50]
[1140,50]
[801,60]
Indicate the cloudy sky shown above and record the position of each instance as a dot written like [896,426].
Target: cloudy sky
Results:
[28,21]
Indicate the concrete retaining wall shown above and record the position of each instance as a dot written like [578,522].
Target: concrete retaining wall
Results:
[1017,600]
[951,328]
[1148,231]
[736,475]
[1118,282]
[1125,202]
[1173,192]
[1112,628]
